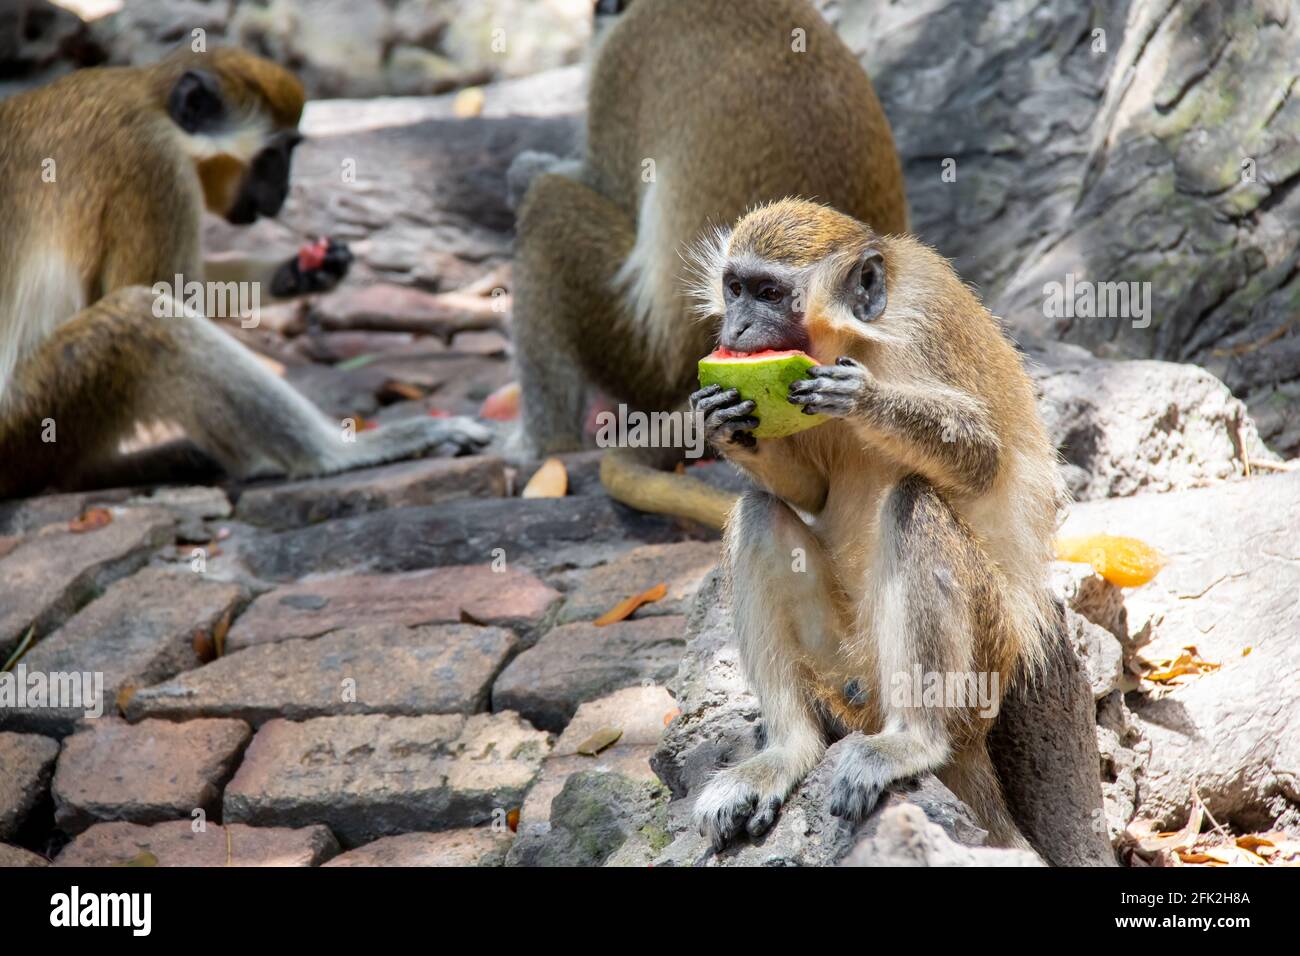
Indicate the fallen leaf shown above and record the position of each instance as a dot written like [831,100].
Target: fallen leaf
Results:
[1124,562]
[124,696]
[502,405]
[623,609]
[469,102]
[91,520]
[512,820]
[1177,840]
[602,738]
[143,858]
[1245,651]
[550,481]
[204,649]
[671,716]
[401,390]
[219,634]
[1166,670]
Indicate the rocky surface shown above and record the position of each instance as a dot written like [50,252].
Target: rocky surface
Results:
[180,843]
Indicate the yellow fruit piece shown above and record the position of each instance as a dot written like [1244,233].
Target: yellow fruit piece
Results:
[1124,562]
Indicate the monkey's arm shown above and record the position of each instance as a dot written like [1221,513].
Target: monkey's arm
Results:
[943,433]
[316,267]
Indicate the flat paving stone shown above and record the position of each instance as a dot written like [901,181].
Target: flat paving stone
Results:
[576,663]
[681,567]
[50,574]
[26,764]
[480,846]
[431,481]
[148,772]
[511,598]
[373,776]
[379,669]
[177,844]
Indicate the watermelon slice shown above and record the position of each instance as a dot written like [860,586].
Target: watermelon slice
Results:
[764,378]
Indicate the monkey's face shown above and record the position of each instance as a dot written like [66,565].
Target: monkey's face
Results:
[239,116]
[763,307]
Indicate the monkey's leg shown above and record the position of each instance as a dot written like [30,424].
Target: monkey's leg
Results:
[785,618]
[569,319]
[137,357]
[971,776]
[927,573]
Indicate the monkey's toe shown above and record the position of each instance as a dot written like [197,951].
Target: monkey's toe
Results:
[853,799]
[763,818]
[724,809]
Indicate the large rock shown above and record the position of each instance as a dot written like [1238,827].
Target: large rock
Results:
[905,836]
[374,776]
[427,482]
[50,574]
[142,630]
[537,532]
[379,669]
[481,846]
[148,772]
[581,662]
[1230,589]
[26,763]
[1138,426]
[179,843]
[511,598]
[1131,141]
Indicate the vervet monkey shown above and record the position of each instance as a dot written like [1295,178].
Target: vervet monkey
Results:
[698,110]
[905,540]
[104,176]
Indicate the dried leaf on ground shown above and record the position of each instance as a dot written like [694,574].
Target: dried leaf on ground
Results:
[623,610]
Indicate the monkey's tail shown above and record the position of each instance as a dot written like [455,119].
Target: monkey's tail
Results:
[640,486]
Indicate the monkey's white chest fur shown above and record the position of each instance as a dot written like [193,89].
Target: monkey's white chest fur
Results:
[43,291]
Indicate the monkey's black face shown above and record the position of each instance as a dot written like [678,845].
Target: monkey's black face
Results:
[763,312]
[266,184]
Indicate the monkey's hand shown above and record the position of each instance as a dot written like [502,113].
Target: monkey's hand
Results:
[728,421]
[840,390]
[318,267]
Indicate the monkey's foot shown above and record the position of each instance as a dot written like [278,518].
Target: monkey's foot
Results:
[861,775]
[746,796]
[409,438]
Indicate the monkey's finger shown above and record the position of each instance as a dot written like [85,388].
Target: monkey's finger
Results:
[834,372]
[721,400]
[763,817]
[728,412]
[825,386]
[736,424]
[697,397]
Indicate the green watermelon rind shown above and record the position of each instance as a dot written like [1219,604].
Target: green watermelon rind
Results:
[765,381]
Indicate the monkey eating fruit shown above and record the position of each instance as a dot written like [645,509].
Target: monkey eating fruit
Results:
[104,176]
[901,545]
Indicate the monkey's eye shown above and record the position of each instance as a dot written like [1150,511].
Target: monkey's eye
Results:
[771,293]
[734,287]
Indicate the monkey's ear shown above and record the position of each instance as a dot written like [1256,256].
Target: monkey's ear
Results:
[866,288]
[195,102]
